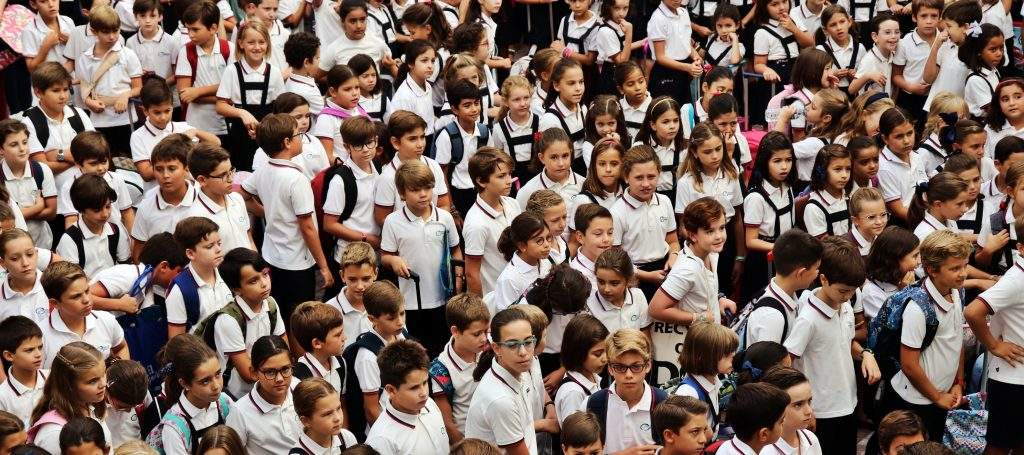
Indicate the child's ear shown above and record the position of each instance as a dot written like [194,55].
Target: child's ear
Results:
[827,118]
[455,330]
[8,356]
[317,343]
[53,302]
[390,389]
[190,253]
[395,142]
[763,434]
[667,436]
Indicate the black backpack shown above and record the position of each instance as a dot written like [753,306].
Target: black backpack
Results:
[598,404]
[39,122]
[75,233]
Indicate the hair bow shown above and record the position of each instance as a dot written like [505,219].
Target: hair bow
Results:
[922,186]
[974,29]
[755,372]
[949,117]
[167,369]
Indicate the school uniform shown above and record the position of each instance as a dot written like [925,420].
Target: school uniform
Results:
[48,434]
[567,189]
[32,304]
[673,27]
[608,40]
[632,424]
[808,20]
[385,193]
[992,136]
[911,54]
[251,89]
[199,421]
[976,219]
[669,157]
[778,45]
[709,389]
[329,126]
[209,70]
[312,160]
[932,155]
[355,321]
[231,218]
[23,192]
[634,115]
[517,140]
[265,428]
[843,57]
[931,224]
[229,339]
[515,280]
[490,32]
[573,392]
[462,188]
[726,190]
[35,32]
[537,99]
[632,314]
[156,215]
[96,247]
[952,73]
[978,92]
[1005,258]
[120,280]
[769,324]
[876,62]
[585,197]
[999,16]
[81,38]
[59,135]
[327,23]
[873,295]
[643,236]
[305,87]
[500,412]
[897,178]
[459,379]
[809,445]
[366,368]
[19,399]
[333,372]
[361,216]
[481,229]
[863,245]
[938,361]
[826,214]
[397,432]
[719,52]
[156,54]
[1005,381]
[275,47]
[117,80]
[122,203]
[558,115]
[412,97]
[147,136]
[770,209]
[992,196]
[212,297]
[735,446]
[101,331]
[375,106]
[861,12]
[820,343]
[578,35]
[382,22]
[339,442]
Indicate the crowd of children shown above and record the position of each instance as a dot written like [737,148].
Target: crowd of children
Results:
[362,226]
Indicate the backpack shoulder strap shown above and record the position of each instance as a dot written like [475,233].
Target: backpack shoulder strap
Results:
[702,394]
[189,295]
[598,404]
[35,115]
[767,301]
[112,242]
[225,49]
[36,169]
[455,139]
[484,133]
[75,233]
[192,57]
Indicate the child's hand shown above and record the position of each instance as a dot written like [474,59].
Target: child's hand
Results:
[947,401]
[833,80]
[869,368]
[940,38]
[770,75]
[787,112]
[95,105]
[908,279]
[191,133]
[373,240]
[248,120]
[695,70]
[726,305]
[121,104]
[918,89]
[546,426]
[328,278]
[997,241]
[189,95]
[552,379]
[400,267]
[63,37]
[614,136]
[1010,352]
[127,304]
[625,26]
[50,40]
[877,77]
[787,23]
[557,45]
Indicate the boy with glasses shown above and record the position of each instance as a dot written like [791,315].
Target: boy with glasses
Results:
[210,165]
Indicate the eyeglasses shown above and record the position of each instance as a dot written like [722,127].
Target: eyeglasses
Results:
[226,175]
[271,374]
[372,145]
[515,345]
[880,216]
[636,368]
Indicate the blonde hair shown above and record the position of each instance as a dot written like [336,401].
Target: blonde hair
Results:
[72,361]
[835,103]
[943,103]
[256,26]
[628,340]
[691,165]
[704,346]
[853,121]
[413,176]
[134,447]
[513,82]
[542,200]
[861,197]
[941,245]
[103,19]
[356,254]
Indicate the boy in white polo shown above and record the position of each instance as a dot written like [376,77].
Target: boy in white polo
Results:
[408,424]
[822,343]
[29,182]
[355,223]
[21,343]
[405,131]
[797,258]
[930,381]
[93,242]
[20,291]
[73,319]
[200,65]
[490,170]
[161,209]
[454,151]
[210,165]
[198,291]
[451,373]
[358,270]
[1004,340]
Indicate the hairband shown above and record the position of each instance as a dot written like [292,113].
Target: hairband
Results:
[664,100]
[875,97]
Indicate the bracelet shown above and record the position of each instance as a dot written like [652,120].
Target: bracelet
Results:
[567,52]
[363,238]
[741,258]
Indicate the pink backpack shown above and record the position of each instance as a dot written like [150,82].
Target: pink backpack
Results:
[51,416]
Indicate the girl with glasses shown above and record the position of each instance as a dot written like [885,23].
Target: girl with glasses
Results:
[265,418]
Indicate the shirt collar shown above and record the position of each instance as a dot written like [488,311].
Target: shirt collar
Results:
[521,265]
[247,311]
[646,402]
[584,261]
[454,358]
[19,389]
[935,223]
[318,368]
[859,238]
[668,12]
[741,447]
[506,378]
[488,210]
[186,201]
[246,69]
[302,79]
[782,296]
[57,323]
[88,234]
[264,406]
[7,292]
[416,89]
[311,447]
[635,203]
[158,132]
[405,419]
[828,199]
[91,51]
[208,203]
[547,183]
[190,409]
[413,218]
[8,173]
[773,23]
[939,300]
[836,47]
[821,307]
[916,38]
[608,306]
[564,110]
[157,38]
[807,13]
[277,162]
[891,156]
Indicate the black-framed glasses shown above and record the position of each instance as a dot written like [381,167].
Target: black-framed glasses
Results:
[372,145]
[636,368]
[516,345]
[272,373]
[227,174]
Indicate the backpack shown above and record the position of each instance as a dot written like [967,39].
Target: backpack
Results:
[886,328]
[439,373]
[302,371]
[321,183]
[42,127]
[598,404]
[455,136]
[353,392]
[155,438]
[997,222]
[51,416]
[739,325]
[75,233]
[189,294]
[192,54]
[207,328]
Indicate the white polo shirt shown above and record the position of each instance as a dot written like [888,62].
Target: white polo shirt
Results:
[230,90]
[232,219]
[862,244]
[725,190]
[820,340]
[667,155]
[864,13]
[355,321]
[584,265]
[96,247]
[693,286]
[329,127]
[514,281]
[932,161]
[101,331]
[809,445]
[980,89]
[61,133]
[911,54]
[115,81]
[1003,300]
[768,324]
[366,369]
[399,433]
[32,304]
[607,41]
[19,399]
[338,442]
[147,136]
[201,418]
[420,242]
[500,411]
[305,87]
[816,220]
[672,27]
[634,115]
[931,224]
[481,229]
[897,178]
[209,71]
[461,374]
[519,153]
[634,423]
[572,396]
[569,27]
[757,211]
[443,154]
[873,295]
[24,192]
[631,315]
[770,46]
[576,201]
[330,373]
[328,23]
[806,19]
[843,56]
[156,215]
[875,62]
[991,139]
[212,297]
[410,96]
[361,217]
[286,196]
[735,446]
[312,160]
[35,32]
[156,55]
[123,202]
[228,337]
[952,73]
[939,361]
[568,188]
[575,122]
[643,236]
[340,49]
[120,279]
[385,193]
[264,428]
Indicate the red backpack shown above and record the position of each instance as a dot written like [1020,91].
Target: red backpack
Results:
[192,56]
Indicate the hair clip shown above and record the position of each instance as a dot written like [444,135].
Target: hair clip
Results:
[755,372]
[922,186]
[949,117]
[974,30]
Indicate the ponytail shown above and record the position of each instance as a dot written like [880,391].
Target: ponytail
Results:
[521,230]
[500,320]
[944,186]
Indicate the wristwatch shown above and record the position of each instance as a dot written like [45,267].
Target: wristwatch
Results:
[60,156]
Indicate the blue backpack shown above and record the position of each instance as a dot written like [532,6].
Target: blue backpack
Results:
[887,327]
[458,148]
[189,294]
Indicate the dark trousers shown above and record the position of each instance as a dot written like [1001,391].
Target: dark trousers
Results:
[118,137]
[292,287]
[837,435]
[649,288]
[463,199]
[429,328]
